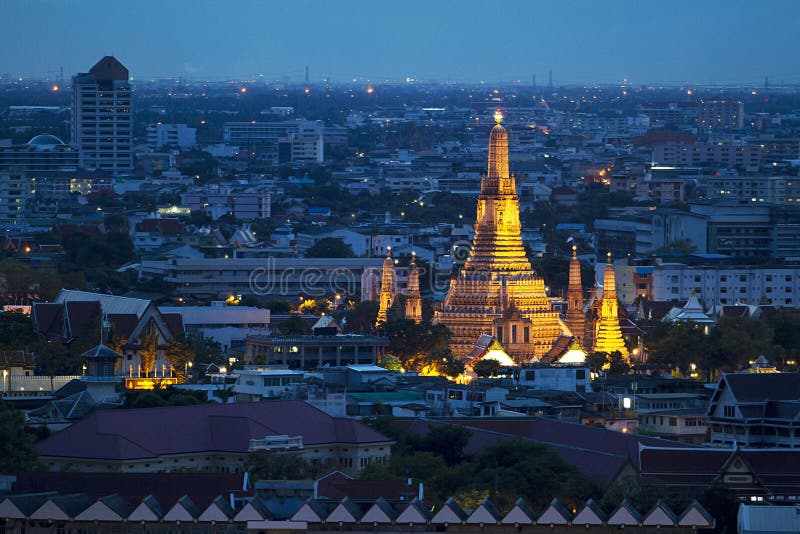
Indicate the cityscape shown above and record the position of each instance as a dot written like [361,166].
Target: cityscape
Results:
[446,296]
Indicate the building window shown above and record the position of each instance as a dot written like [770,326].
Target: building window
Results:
[729,411]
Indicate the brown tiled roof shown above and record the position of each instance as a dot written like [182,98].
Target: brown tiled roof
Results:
[760,387]
[146,433]
[123,323]
[174,323]
[49,319]
[80,315]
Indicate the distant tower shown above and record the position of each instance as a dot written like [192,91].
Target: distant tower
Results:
[101,117]
[534,81]
[609,335]
[387,288]
[413,299]
[306,82]
[575,319]
[550,78]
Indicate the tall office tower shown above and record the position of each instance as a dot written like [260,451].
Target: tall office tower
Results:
[497,292]
[101,117]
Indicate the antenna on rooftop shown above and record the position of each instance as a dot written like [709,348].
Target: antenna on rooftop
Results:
[550,79]
[306,82]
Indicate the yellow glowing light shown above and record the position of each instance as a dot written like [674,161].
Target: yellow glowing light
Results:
[498,116]
[307,90]
[243,89]
[55,88]
[689,92]
[370,90]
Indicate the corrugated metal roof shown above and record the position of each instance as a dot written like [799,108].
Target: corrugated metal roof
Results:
[108,303]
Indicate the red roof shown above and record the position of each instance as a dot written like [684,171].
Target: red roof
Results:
[174,323]
[151,432]
[163,226]
[338,485]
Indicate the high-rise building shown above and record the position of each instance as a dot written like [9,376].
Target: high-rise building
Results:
[101,117]
[609,334]
[575,319]
[721,114]
[497,292]
[413,298]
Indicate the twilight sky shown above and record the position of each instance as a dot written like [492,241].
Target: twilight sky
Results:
[668,41]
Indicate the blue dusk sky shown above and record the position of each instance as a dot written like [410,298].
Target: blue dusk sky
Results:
[667,41]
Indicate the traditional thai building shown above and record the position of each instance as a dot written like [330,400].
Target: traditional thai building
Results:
[497,292]
[575,320]
[413,298]
[609,334]
[387,288]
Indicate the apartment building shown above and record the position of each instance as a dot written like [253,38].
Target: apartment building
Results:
[170,135]
[101,117]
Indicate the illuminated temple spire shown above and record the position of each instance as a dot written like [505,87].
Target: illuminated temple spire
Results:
[575,319]
[609,335]
[387,288]
[413,299]
[497,291]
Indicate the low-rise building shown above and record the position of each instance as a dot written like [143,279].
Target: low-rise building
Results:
[309,352]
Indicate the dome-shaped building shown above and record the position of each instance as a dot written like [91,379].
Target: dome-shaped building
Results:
[45,140]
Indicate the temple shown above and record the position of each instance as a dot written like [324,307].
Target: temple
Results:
[609,334]
[497,292]
[413,298]
[387,288]
[576,321]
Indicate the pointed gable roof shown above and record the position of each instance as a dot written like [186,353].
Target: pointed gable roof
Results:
[21,506]
[660,515]
[449,514]
[381,512]
[109,68]
[254,510]
[554,514]
[695,516]
[520,514]
[345,512]
[108,508]
[62,507]
[415,512]
[485,514]
[219,510]
[625,515]
[590,514]
[149,509]
[312,511]
[183,510]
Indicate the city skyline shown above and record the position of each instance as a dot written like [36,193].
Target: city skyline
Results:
[580,42]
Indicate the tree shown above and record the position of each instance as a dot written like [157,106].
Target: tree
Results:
[448,441]
[391,363]
[360,318]
[17,451]
[486,368]
[179,355]
[148,351]
[416,343]
[205,349]
[330,247]
[294,325]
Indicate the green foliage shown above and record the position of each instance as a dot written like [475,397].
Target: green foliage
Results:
[205,350]
[266,465]
[360,318]
[163,397]
[178,355]
[17,331]
[503,472]
[279,306]
[17,451]
[330,247]
[294,325]
[416,344]
[148,351]
[486,368]
[391,363]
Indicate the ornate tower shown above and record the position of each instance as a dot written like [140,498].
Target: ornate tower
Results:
[609,335]
[413,298]
[497,292]
[576,321]
[387,288]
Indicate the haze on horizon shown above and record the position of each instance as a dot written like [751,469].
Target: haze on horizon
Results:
[714,41]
